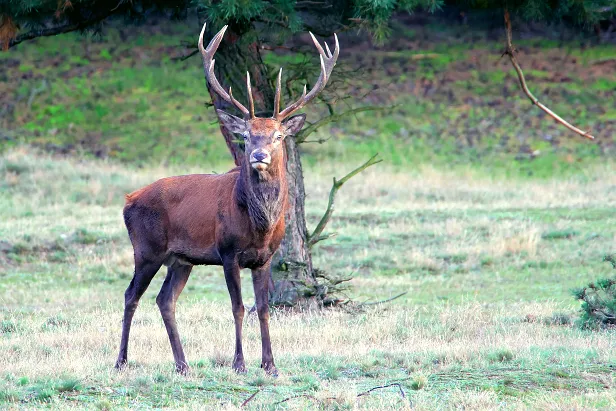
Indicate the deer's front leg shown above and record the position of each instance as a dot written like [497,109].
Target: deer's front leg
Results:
[260,281]
[232,276]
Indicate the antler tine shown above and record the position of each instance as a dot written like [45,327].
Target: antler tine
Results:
[329,53]
[250,98]
[208,67]
[293,107]
[234,101]
[278,92]
[316,43]
[337,47]
[328,61]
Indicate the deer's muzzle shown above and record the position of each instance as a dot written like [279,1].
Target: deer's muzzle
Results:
[260,159]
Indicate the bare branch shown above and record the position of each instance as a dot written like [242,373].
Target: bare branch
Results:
[52,31]
[303,135]
[510,51]
[311,397]
[395,384]
[186,57]
[249,398]
[316,236]
[335,281]
[320,140]
[272,48]
[387,300]
[324,237]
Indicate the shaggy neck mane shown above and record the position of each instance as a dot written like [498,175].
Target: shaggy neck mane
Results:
[262,194]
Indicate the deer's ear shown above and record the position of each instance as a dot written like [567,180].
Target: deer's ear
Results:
[294,124]
[232,123]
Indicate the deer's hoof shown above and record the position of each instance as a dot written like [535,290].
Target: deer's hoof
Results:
[120,365]
[239,367]
[182,369]
[271,370]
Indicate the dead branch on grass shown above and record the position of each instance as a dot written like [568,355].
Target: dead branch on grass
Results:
[311,397]
[395,384]
[368,392]
[249,398]
[387,300]
[510,51]
[317,234]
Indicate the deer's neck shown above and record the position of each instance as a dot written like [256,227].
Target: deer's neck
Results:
[263,195]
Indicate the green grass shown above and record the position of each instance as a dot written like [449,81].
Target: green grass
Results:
[488,264]
[484,212]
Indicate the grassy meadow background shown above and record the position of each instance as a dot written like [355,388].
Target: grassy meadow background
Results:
[486,213]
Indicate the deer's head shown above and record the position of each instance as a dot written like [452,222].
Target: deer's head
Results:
[263,136]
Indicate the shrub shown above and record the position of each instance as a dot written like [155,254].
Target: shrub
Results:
[500,355]
[68,384]
[598,301]
[567,233]
[8,327]
[419,382]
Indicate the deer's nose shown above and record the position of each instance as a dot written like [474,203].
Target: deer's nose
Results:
[259,156]
[260,159]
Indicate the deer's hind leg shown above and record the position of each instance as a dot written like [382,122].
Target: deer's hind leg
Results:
[177,276]
[145,270]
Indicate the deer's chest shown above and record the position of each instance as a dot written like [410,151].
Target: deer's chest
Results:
[249,247]
[254,257]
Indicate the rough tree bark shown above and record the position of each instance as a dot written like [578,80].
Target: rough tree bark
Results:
[293,275]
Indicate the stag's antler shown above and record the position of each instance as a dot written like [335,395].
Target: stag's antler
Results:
[208,67]
[328,61]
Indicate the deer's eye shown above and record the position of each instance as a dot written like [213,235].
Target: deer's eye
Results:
[278,136]
[245,137]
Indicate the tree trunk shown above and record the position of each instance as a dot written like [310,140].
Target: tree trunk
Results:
[293,276]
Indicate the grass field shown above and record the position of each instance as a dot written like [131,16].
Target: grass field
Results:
[484,212]
[488,321]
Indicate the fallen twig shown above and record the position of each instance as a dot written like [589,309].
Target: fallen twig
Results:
[510,51]
[388,300]
[312,397]
[395,384]
[250,398]
[316,236]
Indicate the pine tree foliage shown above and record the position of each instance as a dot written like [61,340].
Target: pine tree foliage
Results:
[26,19]
[598,301]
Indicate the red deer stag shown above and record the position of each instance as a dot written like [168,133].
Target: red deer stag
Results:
[235,219]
